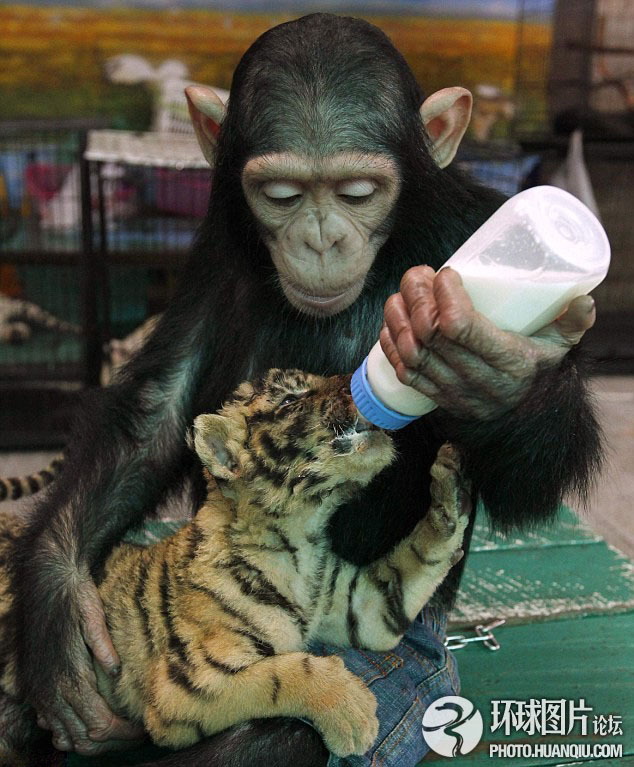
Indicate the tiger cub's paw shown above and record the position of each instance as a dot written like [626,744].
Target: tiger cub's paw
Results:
[451,504]
[346,715]
[170,734]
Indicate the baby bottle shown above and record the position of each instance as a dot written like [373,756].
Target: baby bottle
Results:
[521,269]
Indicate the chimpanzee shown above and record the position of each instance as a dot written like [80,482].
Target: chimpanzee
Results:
[332,190]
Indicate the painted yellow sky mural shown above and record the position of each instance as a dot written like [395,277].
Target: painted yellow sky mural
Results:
[52,58]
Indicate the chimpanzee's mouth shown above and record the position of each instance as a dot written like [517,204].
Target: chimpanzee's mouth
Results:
[321,304]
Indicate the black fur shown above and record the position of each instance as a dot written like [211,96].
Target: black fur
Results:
[321,84]
[268,742]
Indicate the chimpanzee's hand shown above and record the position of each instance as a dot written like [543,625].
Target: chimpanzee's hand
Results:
[78,716]
[442,347]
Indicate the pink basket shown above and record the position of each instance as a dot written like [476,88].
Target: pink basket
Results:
[44,180]
[184,192]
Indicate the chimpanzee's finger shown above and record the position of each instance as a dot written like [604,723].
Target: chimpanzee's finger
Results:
[389,347]
[99,723]
[455,382]
[470,386]
[404,374]
[399,325]
[417,295]
[66,726]
[460,323]
[94,629]
[407,375]
[116,729]
[59,736]
[421,383]
[568,329]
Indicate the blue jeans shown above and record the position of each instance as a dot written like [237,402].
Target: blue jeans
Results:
[405,681]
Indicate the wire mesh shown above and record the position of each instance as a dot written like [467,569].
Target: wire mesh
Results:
[40,207]
[40,247]
[612,67]
[532,66]
[148,213]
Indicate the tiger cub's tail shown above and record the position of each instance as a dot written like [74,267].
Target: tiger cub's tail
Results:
[13,488]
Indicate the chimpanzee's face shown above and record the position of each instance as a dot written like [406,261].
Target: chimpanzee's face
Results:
[319,179]
[323,221]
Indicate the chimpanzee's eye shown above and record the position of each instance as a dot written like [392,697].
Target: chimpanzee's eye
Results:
[283,193]
[357,191]
[352,200]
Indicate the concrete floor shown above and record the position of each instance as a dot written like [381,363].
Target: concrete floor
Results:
[611,509]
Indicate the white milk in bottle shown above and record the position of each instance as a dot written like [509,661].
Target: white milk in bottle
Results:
[521,269]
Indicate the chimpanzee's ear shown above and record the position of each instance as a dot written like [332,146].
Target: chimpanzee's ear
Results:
[207,112]
[214,445]
[446,115]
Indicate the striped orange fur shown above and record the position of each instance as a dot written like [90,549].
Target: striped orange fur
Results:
[211,624]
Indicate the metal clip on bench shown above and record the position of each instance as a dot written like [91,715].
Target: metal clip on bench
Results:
[483,634]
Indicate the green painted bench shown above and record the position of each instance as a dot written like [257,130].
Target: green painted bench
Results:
[568,601]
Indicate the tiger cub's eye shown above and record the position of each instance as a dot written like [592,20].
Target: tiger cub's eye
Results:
[289,399]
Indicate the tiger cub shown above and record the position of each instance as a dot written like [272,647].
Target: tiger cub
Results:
[211,623]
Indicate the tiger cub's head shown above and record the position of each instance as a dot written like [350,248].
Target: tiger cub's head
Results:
[290,437]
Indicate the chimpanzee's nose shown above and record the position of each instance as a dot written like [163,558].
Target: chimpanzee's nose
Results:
[323,232]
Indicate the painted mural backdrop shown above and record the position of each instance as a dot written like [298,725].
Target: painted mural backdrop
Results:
[54,57]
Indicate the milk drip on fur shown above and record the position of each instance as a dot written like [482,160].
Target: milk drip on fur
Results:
[521,269]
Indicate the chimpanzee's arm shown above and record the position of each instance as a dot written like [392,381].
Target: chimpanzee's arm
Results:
[524,462]
[517,406]
[125,449]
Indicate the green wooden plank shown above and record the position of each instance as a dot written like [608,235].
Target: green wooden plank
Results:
[590,658]
[567,528]
[546,577]
[534,584]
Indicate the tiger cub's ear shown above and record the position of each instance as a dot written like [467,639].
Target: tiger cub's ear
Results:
[215,447]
